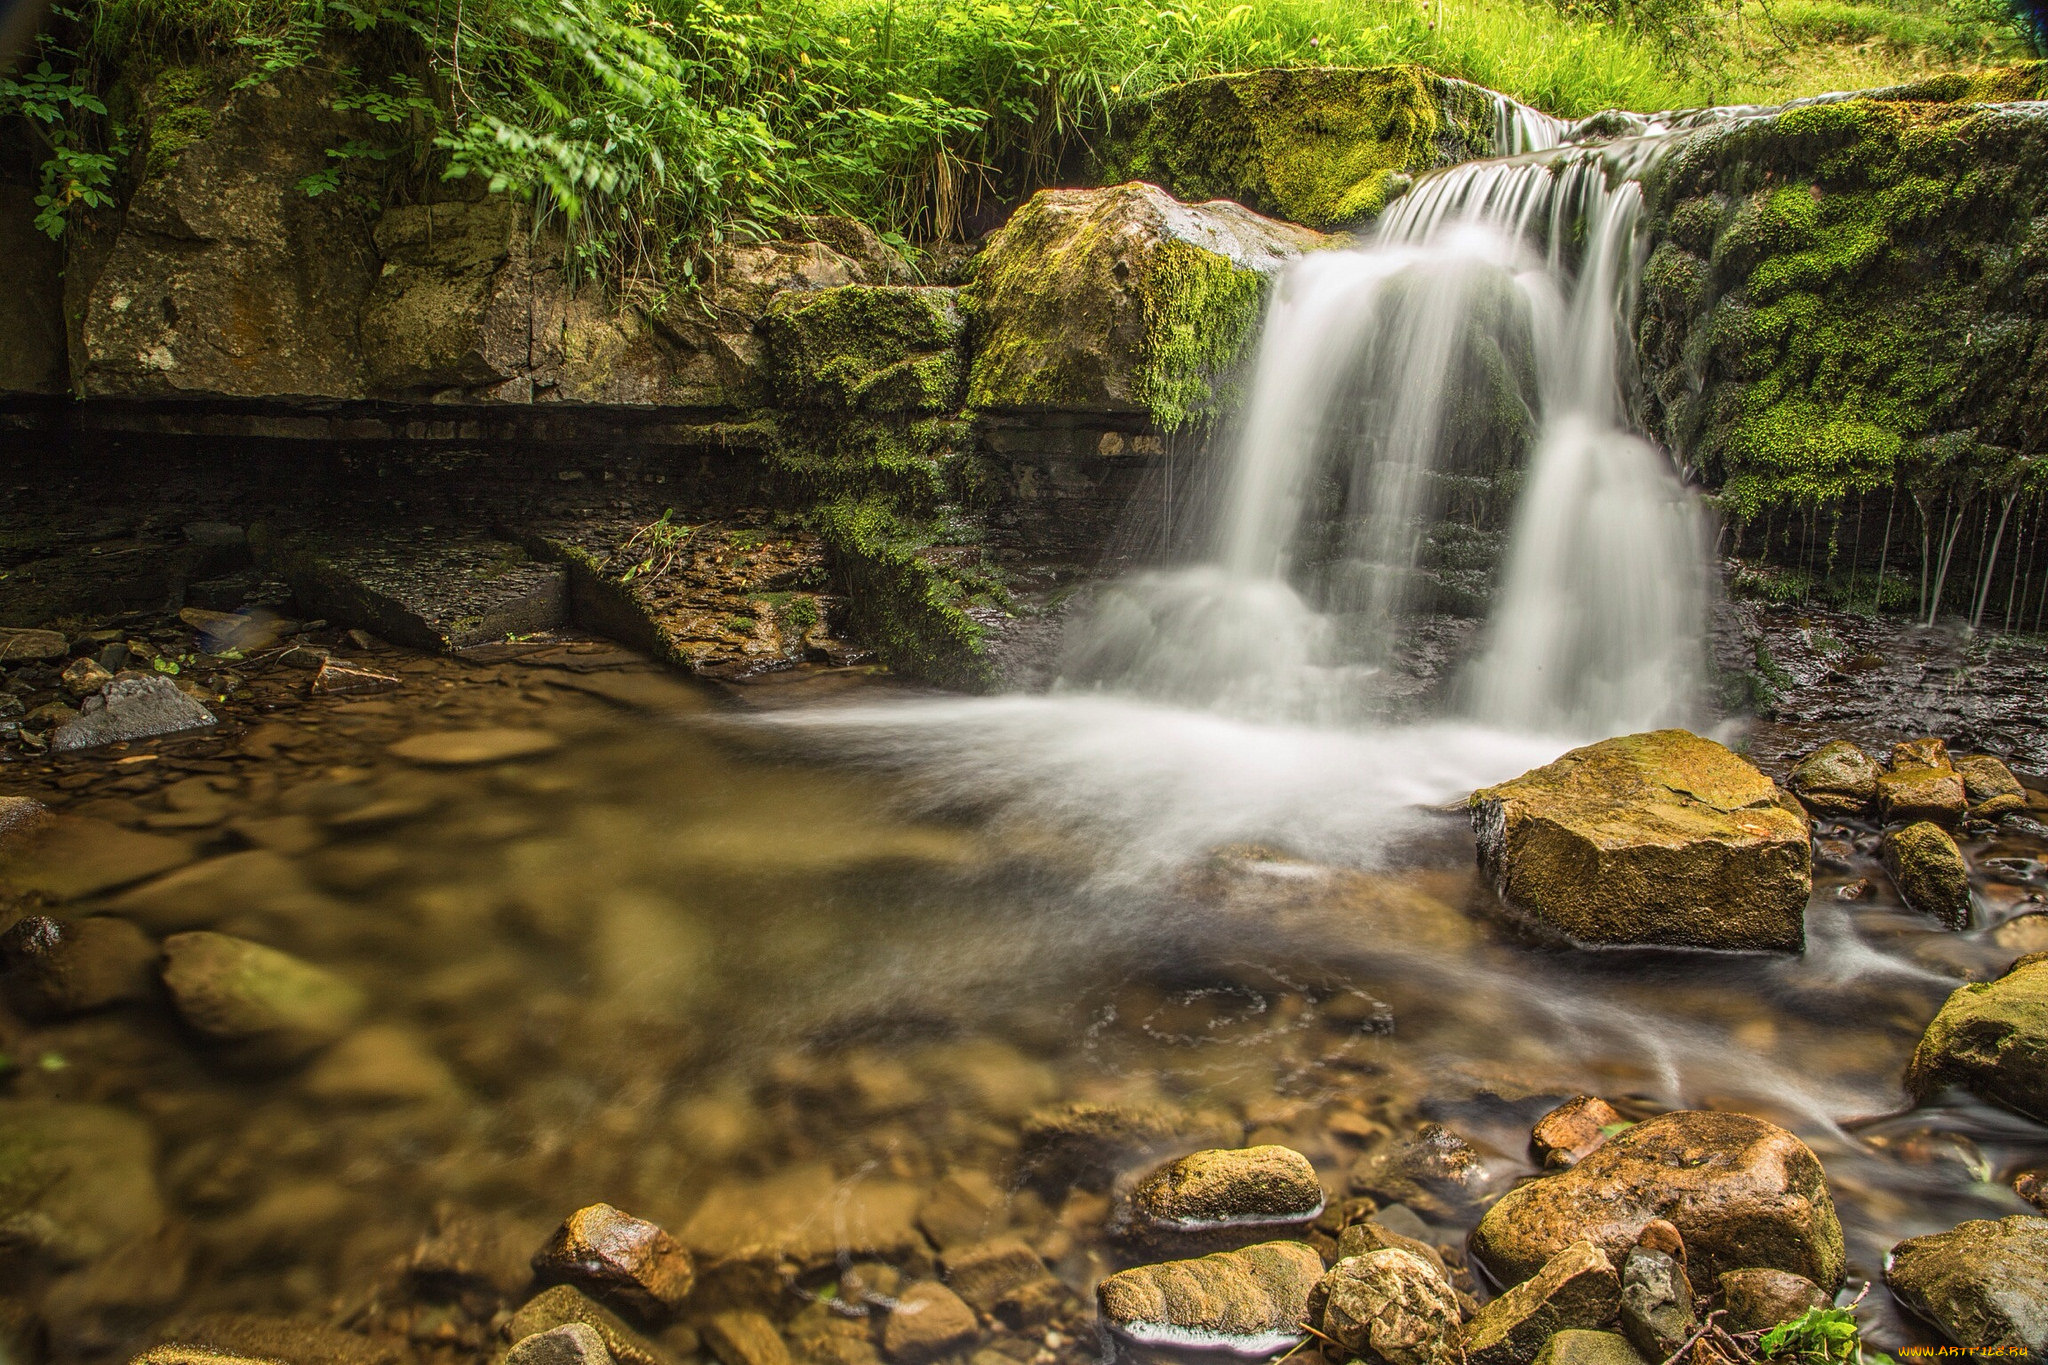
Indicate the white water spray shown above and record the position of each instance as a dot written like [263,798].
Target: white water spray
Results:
[1486,312]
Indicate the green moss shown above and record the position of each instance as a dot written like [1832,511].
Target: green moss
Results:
[1313,145]
[866,348]
[907,601]
[181,104]
[1869,300]
[1199,311]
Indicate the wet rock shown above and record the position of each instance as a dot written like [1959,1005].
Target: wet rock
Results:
[1928,752]
[1757,1300]
[337,679]
[474,748]
[76,1181]
[2032,1186]
[1983,1283]
[1388,1305]
[472,1253]
[1066,297]
[83,677]
[989,1275]
[205,1338]
[268,1005]
[1248,1302]
[96,1310]
[562,1304]
[1991,1038]
[745,1338]
[1567,1134]
[1661,838]
[1578,1347]
[245,632]
[2023,934]
[131,707]
[1362,1239]
[51,968]
[1437,1173]
[25,646]
[1577,1288]
[67,858]
[19,815]
[1929,871]
[1085,1143]
[573,1343]
[1656,1303]
[1741,1192]
[964,1208]
[1220,1198]
[254,881]
[1836,779]
[1990,788]
[615,1256]
[51,715]
[1921,792]
[434,592]
[379,1064]
[746,1232]
[927,1322]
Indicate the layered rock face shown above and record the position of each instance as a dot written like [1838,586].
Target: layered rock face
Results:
[1661,838]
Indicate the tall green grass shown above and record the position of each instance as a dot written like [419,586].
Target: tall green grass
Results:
[654,129]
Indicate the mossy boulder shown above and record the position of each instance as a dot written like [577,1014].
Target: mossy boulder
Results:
[1990,787]
[1657,838]
[1742,1193]
[1251,1300]
[867,348]
[1848,293]
[1984,1283]
[1321,146]
[1122,300]
[265,1004]
[1991,1038]
[1836,779]
[1928,869]
[1577,1289]
[1222,1198]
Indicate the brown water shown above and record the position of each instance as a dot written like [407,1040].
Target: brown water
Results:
[767,965]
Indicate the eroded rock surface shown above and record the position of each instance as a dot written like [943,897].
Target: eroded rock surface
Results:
[1661,838]
[1236,1196]
[1389,1305]
[1984,1283]
[1991,1038]
[1248,1301]
[1577,1288]
[1837,779]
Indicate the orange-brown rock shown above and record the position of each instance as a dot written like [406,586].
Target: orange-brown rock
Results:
[1568,1133]
[615,1256]
[1251,1300]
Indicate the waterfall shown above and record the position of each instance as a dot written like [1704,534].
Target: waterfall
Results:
[1483,317]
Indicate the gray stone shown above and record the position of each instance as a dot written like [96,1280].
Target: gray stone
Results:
[131,707]
[573,1343]
[1577,1288]
[1388,1305]
[437,591]
[1656,1303]
[1983,1283]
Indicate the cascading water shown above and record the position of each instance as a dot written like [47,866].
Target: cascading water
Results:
[1484,313]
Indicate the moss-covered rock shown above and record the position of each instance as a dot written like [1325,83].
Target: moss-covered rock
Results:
[867,348]
[1928,869]
[1316,145]
[1984,1283]
[1990,787]
[1742,1193]
[268,1005]
[1654,838]
[1851,292]
[1122,300]
[910,599]
[1836,779]
[1991,1038]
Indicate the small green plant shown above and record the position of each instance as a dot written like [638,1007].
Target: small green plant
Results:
[1821,1336]
[659,544]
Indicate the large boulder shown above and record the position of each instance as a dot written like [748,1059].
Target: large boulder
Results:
[1741,1192]
[1662,838]
[1122,300]
[1991,1038]
[1389,1305]
[1323,146]
[1990,787]
[1983,1283]
[1249,1302]
[867,348]
[224,277]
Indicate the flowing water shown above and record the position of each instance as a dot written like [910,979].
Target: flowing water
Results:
[806,976]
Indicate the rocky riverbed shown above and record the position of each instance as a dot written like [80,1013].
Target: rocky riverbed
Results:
[533,998]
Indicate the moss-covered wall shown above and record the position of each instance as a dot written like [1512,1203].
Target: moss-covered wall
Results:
[1853,292]
[1320,146]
